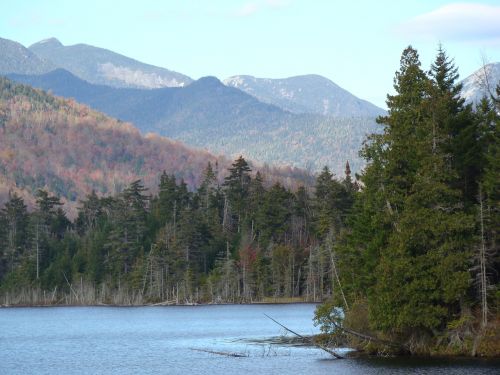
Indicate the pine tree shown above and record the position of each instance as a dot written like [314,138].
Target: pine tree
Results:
[89,213]
[236,188]
[167,199]
[16,219]
[208,186]
[128,236]
[327,200]
[48,222]
[423,271]
[453,129]
[256,193]
[274,214]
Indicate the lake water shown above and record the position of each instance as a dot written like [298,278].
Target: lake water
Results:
[160,340]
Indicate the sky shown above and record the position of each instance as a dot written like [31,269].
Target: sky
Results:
[355,43]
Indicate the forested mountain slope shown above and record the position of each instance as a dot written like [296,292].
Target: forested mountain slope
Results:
[224,120]
[68,149]
[310,93]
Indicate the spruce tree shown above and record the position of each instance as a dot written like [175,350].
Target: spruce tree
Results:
[423,270]
[15,240]
[236,188]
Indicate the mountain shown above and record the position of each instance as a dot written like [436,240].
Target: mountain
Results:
[101,66]
[70,150]
[475,86]
[305,94]
[15,58]
[205,104]
[223,119]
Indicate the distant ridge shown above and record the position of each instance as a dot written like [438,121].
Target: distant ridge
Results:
[305,94]
[102,66]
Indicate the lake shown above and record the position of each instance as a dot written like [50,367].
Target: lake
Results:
[160,340]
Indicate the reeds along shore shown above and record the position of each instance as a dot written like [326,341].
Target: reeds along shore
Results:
[88,294]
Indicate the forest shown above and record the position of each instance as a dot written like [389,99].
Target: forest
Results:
[232,242]
[417,261]
[405,253]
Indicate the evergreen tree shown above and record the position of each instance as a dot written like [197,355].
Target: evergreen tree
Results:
[256,193]
[49,223]
[15,219]
[274,214]
[89,213]
[208,186]
[423,270]
[487,261]
[167,199]
[128,236]
[328,196]
[452,126]
[236,188]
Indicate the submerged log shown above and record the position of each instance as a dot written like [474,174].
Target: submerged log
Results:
[227,354]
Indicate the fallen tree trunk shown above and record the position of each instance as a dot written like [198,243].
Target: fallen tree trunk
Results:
[370,338]
[329,351]
[227,354]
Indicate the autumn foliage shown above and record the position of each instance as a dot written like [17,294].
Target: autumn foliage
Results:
[69,150]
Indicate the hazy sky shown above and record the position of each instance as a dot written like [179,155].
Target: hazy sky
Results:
[357,44]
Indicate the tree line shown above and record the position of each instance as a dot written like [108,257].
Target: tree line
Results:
[237,240]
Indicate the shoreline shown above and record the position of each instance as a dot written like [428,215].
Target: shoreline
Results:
[163,304]
[352,353]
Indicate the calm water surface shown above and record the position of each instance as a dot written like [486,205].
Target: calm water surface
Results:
[160,340]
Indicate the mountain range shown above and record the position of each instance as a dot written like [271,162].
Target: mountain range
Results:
[300,94]
[223,120]
[306,121]
[309,129]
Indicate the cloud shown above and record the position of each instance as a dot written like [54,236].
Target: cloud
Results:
[249,9]
[278,3]
[467,22]
[35,19]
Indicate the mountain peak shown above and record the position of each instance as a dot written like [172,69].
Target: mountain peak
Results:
[208,83]
[309,93]
[481,83]
[15,58]
[52,42]
[209,80]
